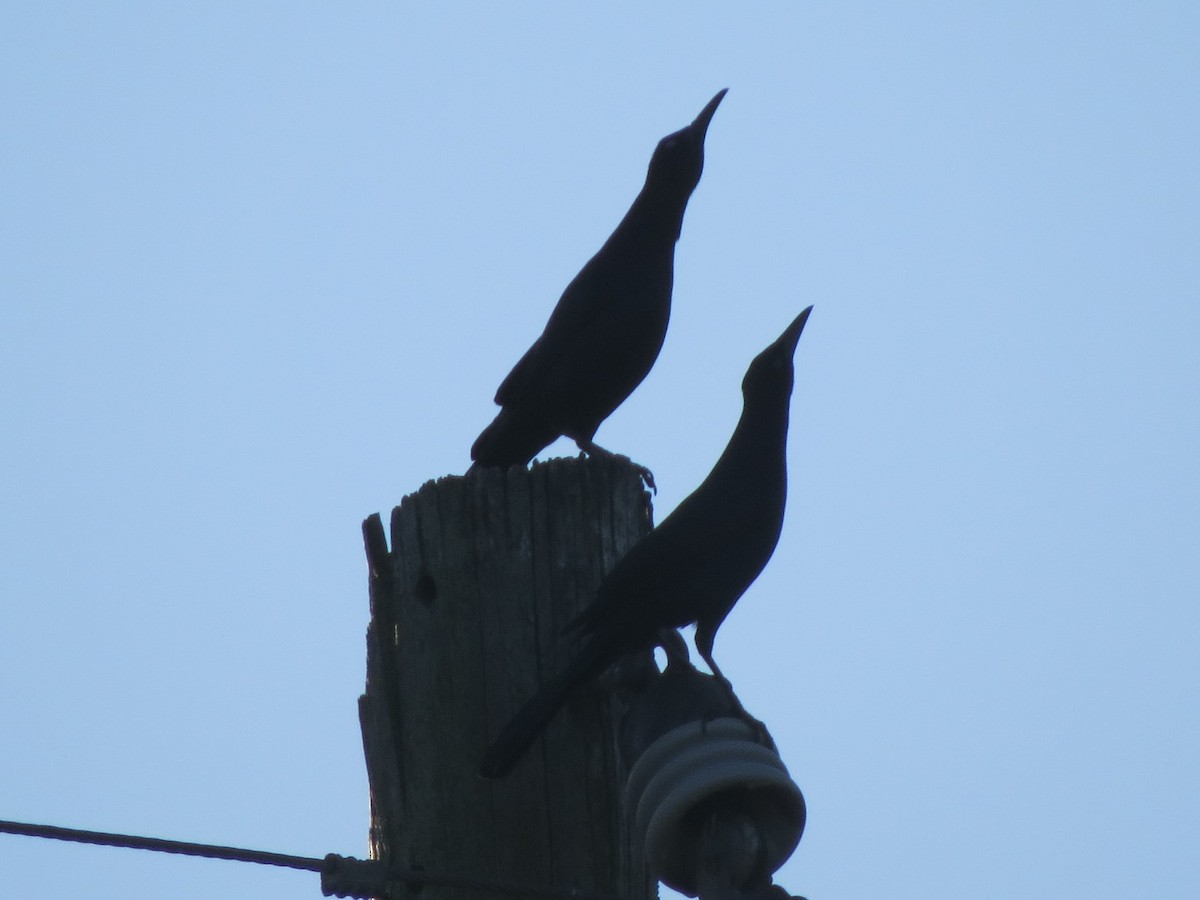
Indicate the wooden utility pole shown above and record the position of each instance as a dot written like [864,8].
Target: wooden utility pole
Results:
[467,613]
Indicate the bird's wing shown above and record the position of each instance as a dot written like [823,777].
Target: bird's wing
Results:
[581,317]
[657,582]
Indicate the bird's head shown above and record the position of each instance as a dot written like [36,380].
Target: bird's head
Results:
[771,372]
[678,159]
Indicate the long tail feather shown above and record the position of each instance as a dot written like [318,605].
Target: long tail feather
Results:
[511,439]
[524,727]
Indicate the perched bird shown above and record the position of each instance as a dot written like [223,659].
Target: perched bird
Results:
[695,565]
[609,324]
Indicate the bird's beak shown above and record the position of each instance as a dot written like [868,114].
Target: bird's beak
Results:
[791,335]
[699,125]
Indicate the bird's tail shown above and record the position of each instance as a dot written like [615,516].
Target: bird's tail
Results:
[527,724]
[512,439]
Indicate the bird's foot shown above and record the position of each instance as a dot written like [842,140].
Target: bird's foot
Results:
[646,475]
[591,448]
[757,726]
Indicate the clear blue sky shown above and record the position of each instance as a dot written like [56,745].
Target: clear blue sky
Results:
[262,266]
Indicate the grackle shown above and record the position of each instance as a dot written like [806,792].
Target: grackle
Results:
[609,325]
[695,565]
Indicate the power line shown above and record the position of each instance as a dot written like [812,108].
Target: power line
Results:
[159,845]
[342,876]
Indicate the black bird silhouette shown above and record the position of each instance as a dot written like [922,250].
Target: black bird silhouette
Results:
[608,327]
[695,565]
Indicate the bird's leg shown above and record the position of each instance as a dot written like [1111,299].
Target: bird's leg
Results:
[757,725]
[725,683]
[590,447]
[674,646]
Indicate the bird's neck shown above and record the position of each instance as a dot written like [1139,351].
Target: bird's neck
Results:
[659,208]
[760,440]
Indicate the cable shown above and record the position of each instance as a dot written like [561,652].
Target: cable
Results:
[159,845]
[343,876]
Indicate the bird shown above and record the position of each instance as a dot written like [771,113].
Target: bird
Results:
[608,327]
[694,566]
